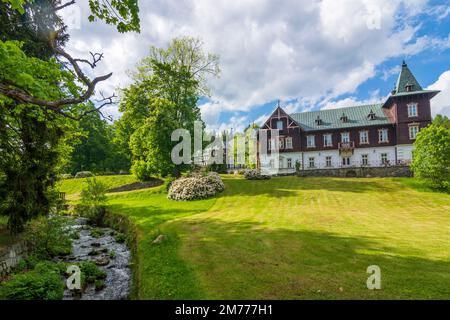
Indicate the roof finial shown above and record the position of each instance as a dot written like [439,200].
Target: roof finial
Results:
[278,103]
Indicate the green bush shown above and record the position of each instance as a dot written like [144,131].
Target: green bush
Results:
[97,233]
[120,238]
[42,283]
[49,237]
[93,201]
[431,156]
[90,273]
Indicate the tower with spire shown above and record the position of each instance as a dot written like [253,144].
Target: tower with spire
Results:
[409,107]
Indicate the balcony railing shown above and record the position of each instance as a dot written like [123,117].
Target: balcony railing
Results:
[346,146]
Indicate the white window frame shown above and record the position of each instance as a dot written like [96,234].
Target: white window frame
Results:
[312,161]
[384,158]
[309,139]
[288,143]
[282,124]
[383,138]
[364,159]
[328,161]
[410,108]
[289,163]
[364,133]
[346,161]
[281,143]
[272,164]
[347,135]
[413,135]
[325,140]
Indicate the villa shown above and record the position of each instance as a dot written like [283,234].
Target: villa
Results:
[376,135]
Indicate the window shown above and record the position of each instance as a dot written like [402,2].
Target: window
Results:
[412,110]
[311,163]
[281,143]
[289,163]
[280,124]
[289,143]
[365,159]
[384,159]
[310,142]
[346,161]
[345,137]
[269,146]
[328,161]
[413,130]
[327,142]
[383,135]
[272,144]
[272,164]
[280,163]
[364,137]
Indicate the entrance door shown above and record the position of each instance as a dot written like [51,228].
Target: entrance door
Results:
[345,161]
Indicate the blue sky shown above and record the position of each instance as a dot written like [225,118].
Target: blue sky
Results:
[309,54]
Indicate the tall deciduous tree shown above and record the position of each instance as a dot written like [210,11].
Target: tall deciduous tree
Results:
[96,150]
[163,97]
[39,95]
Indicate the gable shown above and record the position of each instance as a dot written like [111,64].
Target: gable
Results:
[279,114]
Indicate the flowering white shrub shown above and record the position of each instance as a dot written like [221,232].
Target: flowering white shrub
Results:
[255,175]
[196,187]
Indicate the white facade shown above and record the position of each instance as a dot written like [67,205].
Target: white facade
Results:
[404,153]
[284,162]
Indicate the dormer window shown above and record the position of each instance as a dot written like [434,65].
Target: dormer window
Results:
[319,121]
[409,87]
[344,118]
[371,115]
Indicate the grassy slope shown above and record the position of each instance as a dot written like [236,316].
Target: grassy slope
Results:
[72,187]
[293,238]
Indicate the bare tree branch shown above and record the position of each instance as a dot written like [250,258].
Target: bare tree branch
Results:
[65,5]
[96,57]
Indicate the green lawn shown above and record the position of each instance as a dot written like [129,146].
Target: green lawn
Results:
[72,187]
[293,238]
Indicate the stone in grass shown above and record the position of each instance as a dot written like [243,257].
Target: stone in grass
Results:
[159,239]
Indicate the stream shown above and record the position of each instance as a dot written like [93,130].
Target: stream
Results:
[98,250]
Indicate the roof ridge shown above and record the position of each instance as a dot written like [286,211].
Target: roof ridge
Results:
[342,108]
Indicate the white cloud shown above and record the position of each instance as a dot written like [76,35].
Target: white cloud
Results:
[440,104]
[308,50]
[352,101]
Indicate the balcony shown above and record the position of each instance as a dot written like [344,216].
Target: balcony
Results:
[346,147]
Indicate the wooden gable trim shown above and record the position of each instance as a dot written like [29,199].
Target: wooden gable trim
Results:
[279,114]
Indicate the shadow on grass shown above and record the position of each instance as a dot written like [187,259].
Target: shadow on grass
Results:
[288,186]
[242,260]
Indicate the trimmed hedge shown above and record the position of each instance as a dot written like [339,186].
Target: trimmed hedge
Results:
[198,186]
